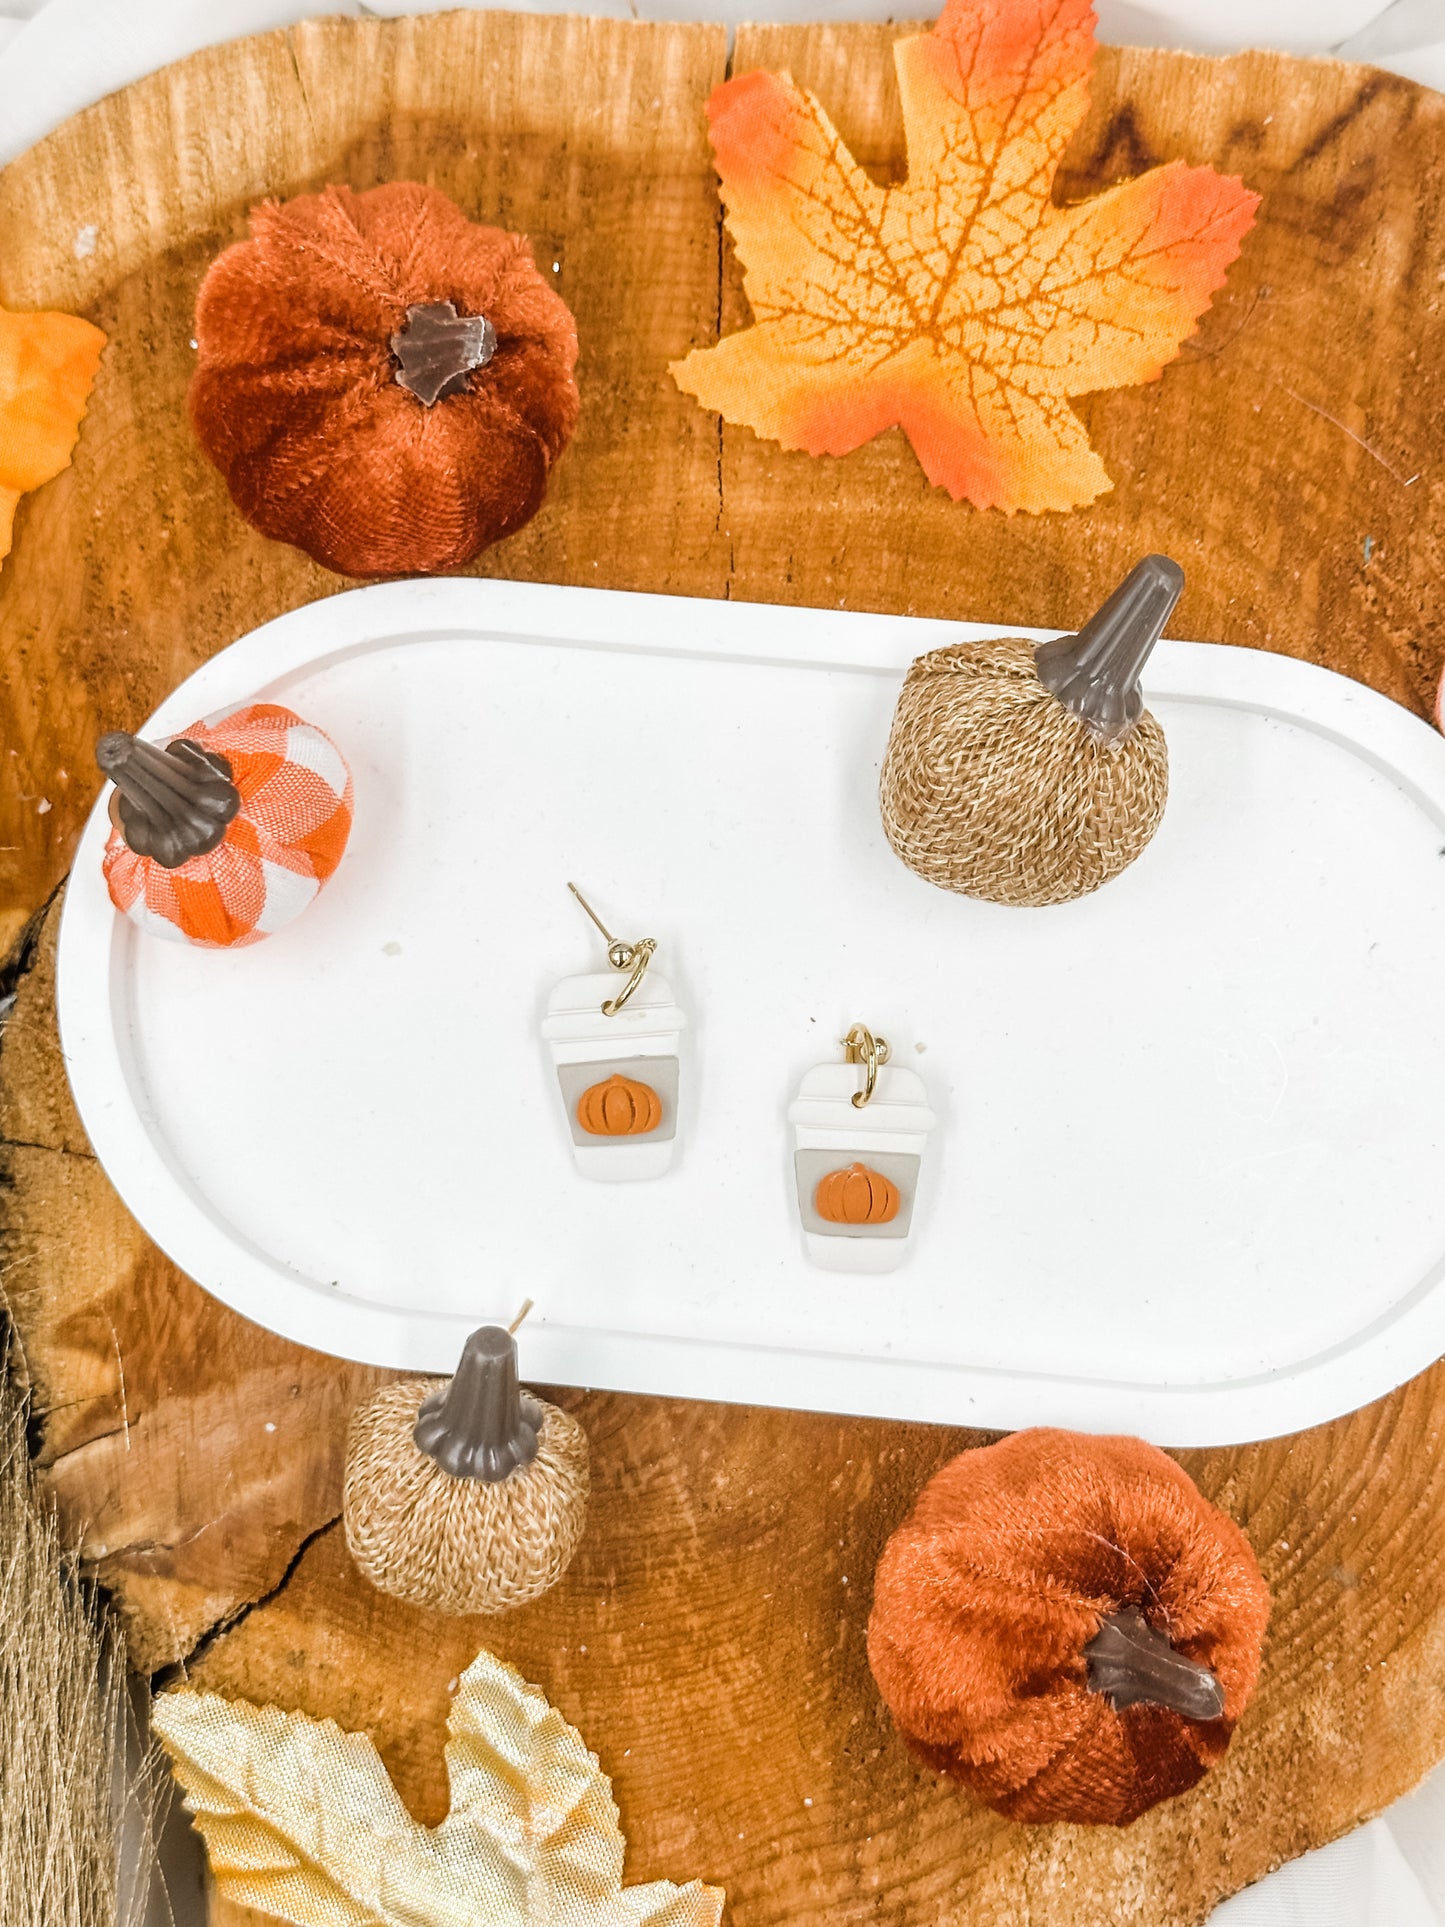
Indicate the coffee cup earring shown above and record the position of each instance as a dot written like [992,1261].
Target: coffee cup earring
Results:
[616,1045]
[860,1129]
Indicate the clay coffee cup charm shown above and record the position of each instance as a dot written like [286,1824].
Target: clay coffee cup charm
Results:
[616,1047]
[859,1133]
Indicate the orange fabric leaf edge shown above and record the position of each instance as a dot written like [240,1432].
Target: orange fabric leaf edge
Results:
[48,364]
[964,306]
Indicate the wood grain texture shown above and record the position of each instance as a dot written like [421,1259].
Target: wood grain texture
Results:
[584,134]
[709,1639]
[194,1451]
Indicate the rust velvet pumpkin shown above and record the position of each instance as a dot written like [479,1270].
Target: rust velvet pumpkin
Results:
[856,1195]
[620,1107]
[1068,1626]
[381,381]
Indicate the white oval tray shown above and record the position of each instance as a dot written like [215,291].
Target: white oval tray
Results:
[1186,1175]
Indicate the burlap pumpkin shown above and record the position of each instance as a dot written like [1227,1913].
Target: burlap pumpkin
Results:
[468,1495]
[1032,774]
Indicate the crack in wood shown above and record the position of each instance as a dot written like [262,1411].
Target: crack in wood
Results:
[300,78]
[57,1150]
[180,1670]
[21,959]
[126,1428]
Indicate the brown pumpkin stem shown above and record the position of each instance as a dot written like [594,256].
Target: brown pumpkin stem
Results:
[439,349]
[171,804]
[1095,673]
[481,1424]
[1133,1665]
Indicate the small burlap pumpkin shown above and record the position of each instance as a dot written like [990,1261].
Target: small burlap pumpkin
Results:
[1031,775]
[465,1495]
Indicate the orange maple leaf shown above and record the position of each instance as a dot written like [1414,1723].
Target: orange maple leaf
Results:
[47,365]
[964,306]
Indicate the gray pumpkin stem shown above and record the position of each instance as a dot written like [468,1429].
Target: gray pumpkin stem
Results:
[1095,673]
[1133,1665]
[173,803]
[481,1424]
[438,350]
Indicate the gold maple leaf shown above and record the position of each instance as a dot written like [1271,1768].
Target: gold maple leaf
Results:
[965,306]
[302,1821]
[47,365]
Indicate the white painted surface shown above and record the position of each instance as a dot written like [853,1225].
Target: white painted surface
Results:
[1185,1180]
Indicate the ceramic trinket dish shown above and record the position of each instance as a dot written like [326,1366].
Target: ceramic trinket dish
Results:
[1300,803]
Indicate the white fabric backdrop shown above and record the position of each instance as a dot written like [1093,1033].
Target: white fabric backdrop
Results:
[58,55]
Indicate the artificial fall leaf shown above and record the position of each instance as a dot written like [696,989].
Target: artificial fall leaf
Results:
[964,307]
[47,365]
[302,1822]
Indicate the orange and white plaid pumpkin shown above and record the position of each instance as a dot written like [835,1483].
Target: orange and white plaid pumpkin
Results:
[284,841]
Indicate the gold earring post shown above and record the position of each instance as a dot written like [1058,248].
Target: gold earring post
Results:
[619,955]
[622,956]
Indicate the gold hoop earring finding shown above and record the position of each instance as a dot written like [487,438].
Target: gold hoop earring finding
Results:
[864,1048]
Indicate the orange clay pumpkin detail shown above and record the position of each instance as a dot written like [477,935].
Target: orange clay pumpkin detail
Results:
[381,381]
[621,1107]
[857,1195]
[1068,1626]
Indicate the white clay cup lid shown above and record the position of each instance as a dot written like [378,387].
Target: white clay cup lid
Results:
[574,1009]
[899,1103]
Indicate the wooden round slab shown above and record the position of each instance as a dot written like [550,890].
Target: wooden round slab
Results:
[709,1639]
